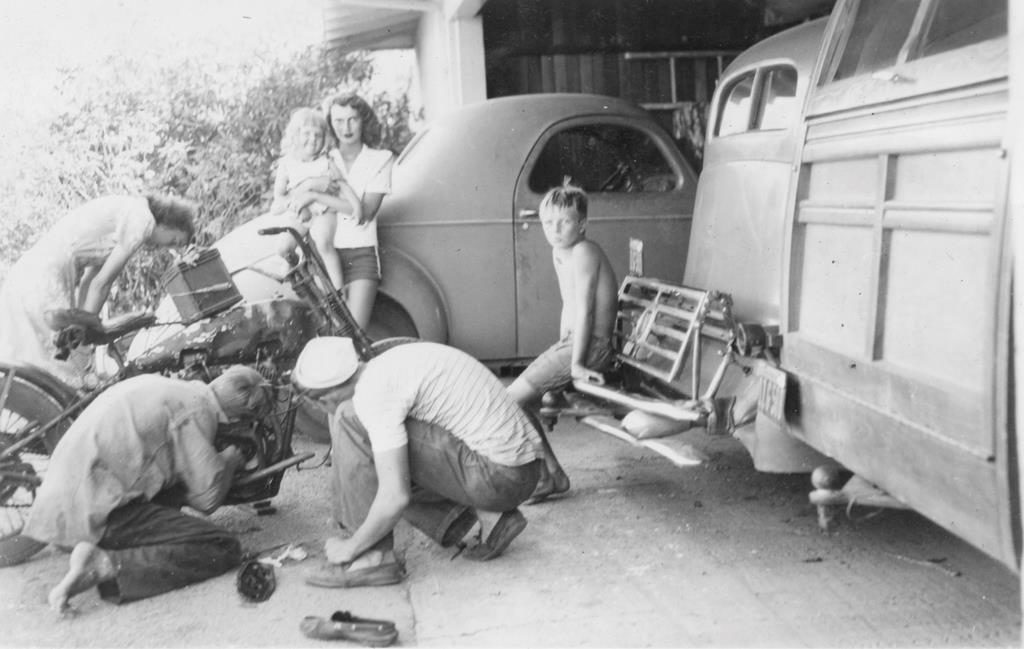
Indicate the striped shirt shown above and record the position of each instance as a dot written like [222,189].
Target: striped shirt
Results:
[446,387]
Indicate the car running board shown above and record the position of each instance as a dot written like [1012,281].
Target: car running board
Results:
[675,450]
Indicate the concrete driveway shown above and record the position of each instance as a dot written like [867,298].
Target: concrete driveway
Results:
[641,553]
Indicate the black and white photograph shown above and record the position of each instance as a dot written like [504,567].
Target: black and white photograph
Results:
[511,323]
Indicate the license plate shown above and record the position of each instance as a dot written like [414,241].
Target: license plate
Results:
[771,400]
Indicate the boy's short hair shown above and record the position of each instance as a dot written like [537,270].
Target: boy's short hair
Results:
[567,196]
[302,117]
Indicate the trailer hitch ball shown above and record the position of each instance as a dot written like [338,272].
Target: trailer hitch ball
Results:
[829,476]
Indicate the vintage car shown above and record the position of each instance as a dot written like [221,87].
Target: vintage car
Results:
[889,255]
[854,207]
[464,259]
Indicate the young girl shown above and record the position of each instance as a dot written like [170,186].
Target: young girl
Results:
[311,189]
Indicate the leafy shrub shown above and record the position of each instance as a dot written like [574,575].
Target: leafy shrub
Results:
[204,131]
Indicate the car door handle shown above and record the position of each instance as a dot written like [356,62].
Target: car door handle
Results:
[527,214]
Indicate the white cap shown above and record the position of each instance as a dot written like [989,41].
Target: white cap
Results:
[325,362]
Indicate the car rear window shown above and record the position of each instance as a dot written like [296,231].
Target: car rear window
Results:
[774,91]
[734,115]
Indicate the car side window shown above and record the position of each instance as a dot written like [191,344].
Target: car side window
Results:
[734,115]
[604,158]
[878,32]
[777,107]
[883,34]
[953,24]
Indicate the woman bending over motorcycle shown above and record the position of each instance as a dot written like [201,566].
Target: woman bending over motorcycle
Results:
[74,265]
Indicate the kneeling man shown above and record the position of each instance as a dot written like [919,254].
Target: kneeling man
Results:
[117,479]
[423,432]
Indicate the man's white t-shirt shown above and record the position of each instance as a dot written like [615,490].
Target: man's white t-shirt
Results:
[444,386]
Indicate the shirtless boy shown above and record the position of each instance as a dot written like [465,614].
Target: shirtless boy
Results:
[589,291]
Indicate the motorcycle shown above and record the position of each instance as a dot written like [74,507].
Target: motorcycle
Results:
[36,408]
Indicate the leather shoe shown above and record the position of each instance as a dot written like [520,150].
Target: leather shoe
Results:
[342,625]
[508,527]
[340,575]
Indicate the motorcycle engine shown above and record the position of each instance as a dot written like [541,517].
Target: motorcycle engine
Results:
[261,445]
[266,335]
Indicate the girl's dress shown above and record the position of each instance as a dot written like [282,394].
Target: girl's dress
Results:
[370,173]
[47,275]
[299,171]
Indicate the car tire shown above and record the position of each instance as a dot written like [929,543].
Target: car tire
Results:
[390,320]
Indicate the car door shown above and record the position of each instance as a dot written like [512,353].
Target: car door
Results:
[638,188]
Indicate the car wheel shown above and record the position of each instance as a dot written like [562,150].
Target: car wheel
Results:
[390,320]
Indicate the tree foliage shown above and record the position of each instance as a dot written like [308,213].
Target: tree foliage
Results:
[204,131]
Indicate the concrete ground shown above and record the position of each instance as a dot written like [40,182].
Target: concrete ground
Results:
[640,553]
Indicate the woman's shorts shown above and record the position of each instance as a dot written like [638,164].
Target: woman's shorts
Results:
[360,263]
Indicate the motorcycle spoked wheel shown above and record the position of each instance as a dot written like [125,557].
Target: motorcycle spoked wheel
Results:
[311,420]
[25,405]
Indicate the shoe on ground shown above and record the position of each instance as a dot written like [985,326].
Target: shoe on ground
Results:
[342,625]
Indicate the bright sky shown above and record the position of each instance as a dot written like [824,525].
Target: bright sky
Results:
[67,31]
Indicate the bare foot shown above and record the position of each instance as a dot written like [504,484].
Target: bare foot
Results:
[88,566]
[551,483]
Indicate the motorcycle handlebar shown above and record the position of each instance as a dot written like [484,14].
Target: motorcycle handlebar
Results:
[279,230]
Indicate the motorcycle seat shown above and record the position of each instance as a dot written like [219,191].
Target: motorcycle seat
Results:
[95,331]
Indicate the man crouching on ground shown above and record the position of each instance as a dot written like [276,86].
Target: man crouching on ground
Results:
[423,432]
[117,480]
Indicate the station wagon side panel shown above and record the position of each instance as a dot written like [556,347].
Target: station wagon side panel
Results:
[895,311]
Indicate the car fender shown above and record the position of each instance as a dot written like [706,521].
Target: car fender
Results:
[408,283]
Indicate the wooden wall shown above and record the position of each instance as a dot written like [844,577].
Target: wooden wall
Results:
[664,55]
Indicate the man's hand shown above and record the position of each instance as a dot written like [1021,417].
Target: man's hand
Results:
[339,550]
[233,457]
[580,372]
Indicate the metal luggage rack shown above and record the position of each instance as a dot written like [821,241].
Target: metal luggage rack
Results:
[661,331]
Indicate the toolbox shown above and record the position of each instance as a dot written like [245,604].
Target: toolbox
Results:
[201,286]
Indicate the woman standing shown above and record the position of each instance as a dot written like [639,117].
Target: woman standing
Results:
[367,170]
[74,265]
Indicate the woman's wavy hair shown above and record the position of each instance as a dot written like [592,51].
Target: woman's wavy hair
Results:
[173,213]
[290,143]
[371,124]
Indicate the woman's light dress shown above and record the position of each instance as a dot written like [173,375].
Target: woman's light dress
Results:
[46,277]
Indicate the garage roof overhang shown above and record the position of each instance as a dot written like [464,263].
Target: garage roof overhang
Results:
[393,24]
[372,25]
[384,24]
